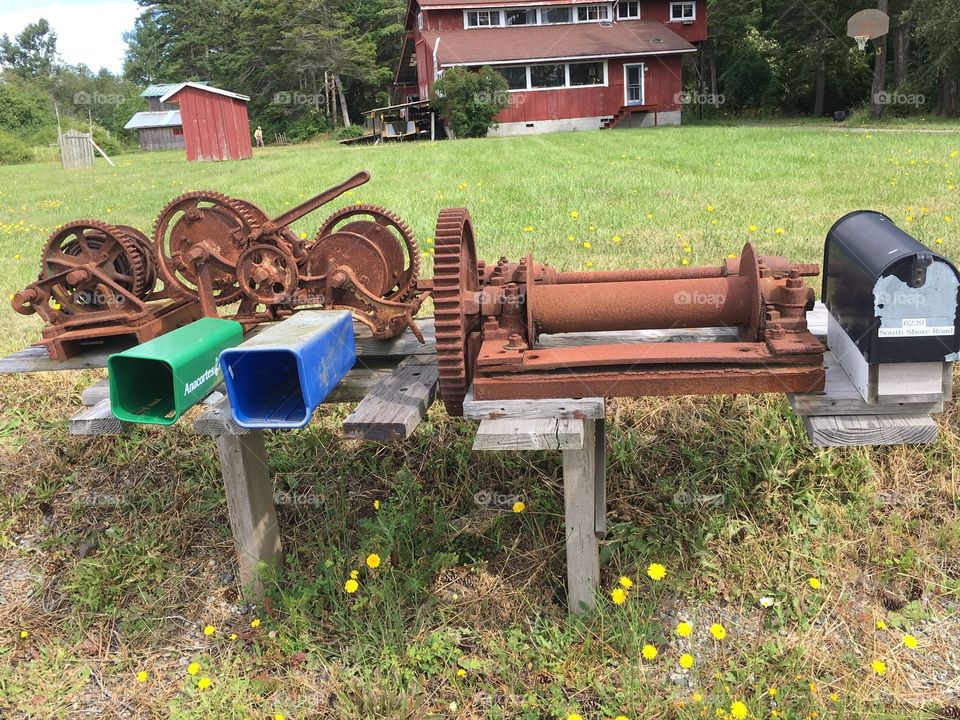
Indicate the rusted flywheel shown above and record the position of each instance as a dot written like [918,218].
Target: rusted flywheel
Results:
[268,274]
[454,275]
[118,252]
[385,231]
[207,225]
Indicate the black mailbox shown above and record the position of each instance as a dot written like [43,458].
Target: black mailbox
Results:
[894,298]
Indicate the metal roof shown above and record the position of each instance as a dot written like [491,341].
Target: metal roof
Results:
[158,90]
[164,118]
[200,86]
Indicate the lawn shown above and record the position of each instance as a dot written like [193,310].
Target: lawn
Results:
[118,595]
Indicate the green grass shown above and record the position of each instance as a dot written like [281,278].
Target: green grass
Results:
[116,552]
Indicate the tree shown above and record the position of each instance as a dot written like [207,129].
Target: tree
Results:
[470,100]
[33,53]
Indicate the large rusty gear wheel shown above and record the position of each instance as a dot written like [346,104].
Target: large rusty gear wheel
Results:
[227,225]
[268,274]
[94,243]
[454,273]
[381,226]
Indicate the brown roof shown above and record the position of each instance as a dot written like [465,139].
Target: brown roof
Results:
[553,42]
[440,4]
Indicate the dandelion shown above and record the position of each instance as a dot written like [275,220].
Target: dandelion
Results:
[303,236]
[462,186]
[429,241]
[649,652]
[354,574]
[939,241]
[571,238]
[909,218]
[528,228]
[954,153]
[376,504]
[697,697]
[617,239]
[685,261]
[255,623]
[881,625]
[209,630]
[879,667]
[351,586]
[738,710]
[779,231]
[620,717]
[203,683]
[813,688]
[656,571]
[193,668]
[910,641]
[373,561]
[461,672]
[625,582]
[618,595]
[574,716]
[718,631]
[924,211]
[24,634]
[518,507]
[772,691]
[684,629]
[766,601]
[17,256]
[649,216]
[593,228]
[753,228]
[142,676]
[710,208]
[834,697]
[947,218]
[685,661]
[11,296]
[714,222]
[279,716]
[587,244]
[574,214]
[233,636]
[814,583]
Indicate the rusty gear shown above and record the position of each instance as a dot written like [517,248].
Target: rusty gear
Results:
[268,274]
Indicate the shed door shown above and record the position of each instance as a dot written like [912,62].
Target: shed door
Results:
[633,82]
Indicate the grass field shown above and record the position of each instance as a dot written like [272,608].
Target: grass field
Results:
[116,555]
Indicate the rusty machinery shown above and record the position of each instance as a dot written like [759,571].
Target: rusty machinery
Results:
[215,255]
[489,319]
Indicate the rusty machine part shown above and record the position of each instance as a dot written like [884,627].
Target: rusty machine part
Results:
[222,250]
[97,282]
[490,317]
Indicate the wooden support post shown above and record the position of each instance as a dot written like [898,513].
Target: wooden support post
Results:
[253,517]
[580,513]
[600,480]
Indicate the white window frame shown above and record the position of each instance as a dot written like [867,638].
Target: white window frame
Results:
[489,11]
[595,7]
[420,20]
[566,76]
[623,3]
[539,14]
[626,84]
[681,5]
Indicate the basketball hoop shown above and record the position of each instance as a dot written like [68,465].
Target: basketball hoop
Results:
[868,25]
[862,41]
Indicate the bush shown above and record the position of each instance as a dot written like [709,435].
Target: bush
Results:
[13,151]
[345,133]
[469,100]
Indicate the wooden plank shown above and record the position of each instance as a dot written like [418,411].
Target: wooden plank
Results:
[858,430]
[95,393]
[840,397]
[35,359]
[96,420]
[530,434]
[394,407]
[253,517]
[578,408]
[580,519]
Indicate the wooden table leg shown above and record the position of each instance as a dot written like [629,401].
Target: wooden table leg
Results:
[580,512]
[253,517]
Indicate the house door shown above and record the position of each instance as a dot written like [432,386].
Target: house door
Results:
[633,82]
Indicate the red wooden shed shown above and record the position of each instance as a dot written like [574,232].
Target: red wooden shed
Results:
[215,123]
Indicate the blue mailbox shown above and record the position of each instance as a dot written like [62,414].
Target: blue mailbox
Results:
[278,378]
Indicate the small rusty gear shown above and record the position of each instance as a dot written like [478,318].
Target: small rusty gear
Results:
[94,243]
[382,227]
[454,273]
[268,274]
[221,224]
[147,256]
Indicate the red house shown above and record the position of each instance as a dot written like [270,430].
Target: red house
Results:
[570,64]
[215,123]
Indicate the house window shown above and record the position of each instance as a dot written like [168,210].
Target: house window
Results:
[548,76]
[588,13]
[551,16]
[516,77]
[590,73]
[683,11]
[420,21]
[521,17]
[483,18]
[628,10]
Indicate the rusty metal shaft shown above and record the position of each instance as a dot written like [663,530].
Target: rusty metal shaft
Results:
[604,276]
[642,305]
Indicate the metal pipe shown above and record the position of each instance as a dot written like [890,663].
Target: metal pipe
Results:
[603,276]
[650,304]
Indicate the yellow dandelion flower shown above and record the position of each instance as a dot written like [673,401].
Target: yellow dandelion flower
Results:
[954,153]
[56,306]
[924,211]
[621,717]
[714,222]
[618,595]
[649,652]
[617,239]
[814,583]
[142,676]
[518,507]
[255,623]
[24,634]
[209,630]
[233,636]
[17,256]
[625,582]
[303,236]
[574,716]
[881,625]
[574,214]
[947,218]
[593,228]
[11,296]
[684,629]
[813,688]
[753,228]
[779,231]
[938,241]
[649,216]
[589,263]
[879,667]
[373,561]
[528,228]
[587,244]
[376,504]
[697,697]
[461,672]
[685,661]
[772,691]
[834,697]
[351,586]
[774,713]
[910,641]
[571,238]
[738,710]
[710,208]
[685,261]
[193,668]
[429,241]
[354,574]
[279,716]
[656,571]
[718,631]
[204,683]
[909,218]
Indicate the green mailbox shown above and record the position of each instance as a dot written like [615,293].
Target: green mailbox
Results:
[158,381]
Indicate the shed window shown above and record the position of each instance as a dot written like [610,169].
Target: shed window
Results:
[483,18]
[516,77]
[551,16]
[586,73]
[547,76]
[628,10]
[588,13]
[683,11]
[521,17]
